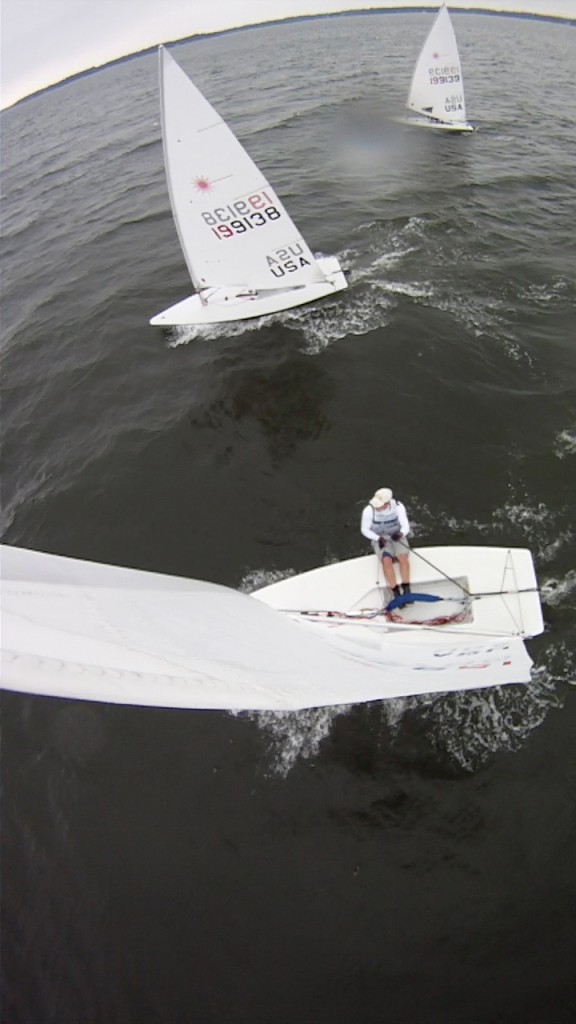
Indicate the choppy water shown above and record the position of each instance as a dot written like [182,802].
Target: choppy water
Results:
[410,861]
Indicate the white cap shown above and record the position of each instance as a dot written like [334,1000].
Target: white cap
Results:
[382,497]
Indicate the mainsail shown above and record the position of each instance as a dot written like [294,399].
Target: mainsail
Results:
[233,229]
[87,631]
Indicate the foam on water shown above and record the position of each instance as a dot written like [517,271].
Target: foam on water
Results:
[364,307]
[321,325]
[466,728]
[541,523]
[546,296]
[295,735]
[212,332]
[472,726]
[477,313]
[565,443]
[258,578]
[556,592]
[366,311]
[535,518]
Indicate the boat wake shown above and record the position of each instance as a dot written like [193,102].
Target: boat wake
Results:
[366,306]
[556,294]
[460,730]
[294,736]
[565,444]
[536,523]
[555,591]
[467,729]
[333,320]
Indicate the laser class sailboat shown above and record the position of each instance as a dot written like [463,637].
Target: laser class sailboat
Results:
[436,96]
[330,636]
[244,254]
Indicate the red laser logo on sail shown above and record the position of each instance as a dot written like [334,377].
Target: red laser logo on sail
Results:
[202,184]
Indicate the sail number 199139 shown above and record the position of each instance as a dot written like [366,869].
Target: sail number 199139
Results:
[444,76]
[244,215]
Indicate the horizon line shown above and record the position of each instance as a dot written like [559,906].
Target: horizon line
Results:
[181,40]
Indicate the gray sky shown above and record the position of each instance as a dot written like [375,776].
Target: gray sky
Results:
[45,41]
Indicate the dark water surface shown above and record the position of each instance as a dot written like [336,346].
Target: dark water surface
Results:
[411,861]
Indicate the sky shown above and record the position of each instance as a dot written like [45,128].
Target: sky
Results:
[45,41]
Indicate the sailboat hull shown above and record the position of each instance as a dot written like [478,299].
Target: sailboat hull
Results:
[495,589]
[439,126]
[226,305]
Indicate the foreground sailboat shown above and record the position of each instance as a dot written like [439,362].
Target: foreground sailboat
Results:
[436,97]
[331,636]
[244,254]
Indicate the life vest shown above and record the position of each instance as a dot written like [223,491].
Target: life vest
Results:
[385,521]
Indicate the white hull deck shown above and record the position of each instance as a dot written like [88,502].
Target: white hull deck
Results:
[440,126]
[483,591]
[225,305]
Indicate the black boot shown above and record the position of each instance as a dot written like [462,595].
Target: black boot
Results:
[396,591]
[406,588]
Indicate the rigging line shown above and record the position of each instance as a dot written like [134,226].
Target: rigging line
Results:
[380,587]
[319,612]
[378,611]
[519,624]
[505,593]
[383,584]
[508,567]
[459,629]
[435,567]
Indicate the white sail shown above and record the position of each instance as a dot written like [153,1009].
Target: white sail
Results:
[437,89]
[233,228]
[86,631]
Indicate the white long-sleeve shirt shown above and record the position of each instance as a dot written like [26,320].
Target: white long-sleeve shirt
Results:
[367,520]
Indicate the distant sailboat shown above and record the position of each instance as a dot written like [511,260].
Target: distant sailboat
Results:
[436,97]
[244,253]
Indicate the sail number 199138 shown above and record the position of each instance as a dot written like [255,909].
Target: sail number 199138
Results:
[244,215]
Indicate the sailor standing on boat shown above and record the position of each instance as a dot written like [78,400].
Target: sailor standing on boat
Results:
[385,523]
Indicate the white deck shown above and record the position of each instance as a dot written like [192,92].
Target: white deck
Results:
[506,576]
[442,126]
[225,305]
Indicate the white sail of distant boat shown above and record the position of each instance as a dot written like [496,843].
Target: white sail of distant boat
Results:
[436,97]
[244,254]
[87,631]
